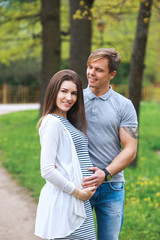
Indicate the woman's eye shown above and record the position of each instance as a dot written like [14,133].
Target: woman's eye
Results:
[74,93]
[64,91]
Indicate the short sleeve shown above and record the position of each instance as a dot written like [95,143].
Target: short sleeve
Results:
[128,115]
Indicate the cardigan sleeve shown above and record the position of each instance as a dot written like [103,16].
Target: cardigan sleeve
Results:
[50,133]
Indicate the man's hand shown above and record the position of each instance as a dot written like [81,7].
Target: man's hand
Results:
[96,179]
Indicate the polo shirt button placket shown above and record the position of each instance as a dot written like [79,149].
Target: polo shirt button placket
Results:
[94,107]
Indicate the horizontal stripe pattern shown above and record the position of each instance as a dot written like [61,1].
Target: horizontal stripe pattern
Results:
[87,230]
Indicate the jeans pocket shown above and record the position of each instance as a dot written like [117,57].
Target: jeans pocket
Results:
[117,186]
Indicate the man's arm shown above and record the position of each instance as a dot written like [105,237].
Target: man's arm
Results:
[128,137]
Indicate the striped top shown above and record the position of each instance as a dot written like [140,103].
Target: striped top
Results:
[87,229]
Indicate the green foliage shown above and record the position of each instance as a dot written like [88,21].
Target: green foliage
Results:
[20,154]
[20,42]
[20,28]
[20,38]
[122,75]
[64,63]
[21,72]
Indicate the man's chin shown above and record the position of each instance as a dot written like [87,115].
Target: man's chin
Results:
[91,85]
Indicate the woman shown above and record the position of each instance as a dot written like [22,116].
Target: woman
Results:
[64,210]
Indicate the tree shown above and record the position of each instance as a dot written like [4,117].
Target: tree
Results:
[20,42]
[138,55]
[50,19]
[81,33]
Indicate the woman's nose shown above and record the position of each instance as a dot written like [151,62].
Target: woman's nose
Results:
[68,96]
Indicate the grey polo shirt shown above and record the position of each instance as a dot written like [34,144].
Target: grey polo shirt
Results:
[105,115]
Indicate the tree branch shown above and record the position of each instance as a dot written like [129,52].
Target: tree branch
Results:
[19,18]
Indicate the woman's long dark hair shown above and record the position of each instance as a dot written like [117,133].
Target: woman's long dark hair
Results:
[76,115]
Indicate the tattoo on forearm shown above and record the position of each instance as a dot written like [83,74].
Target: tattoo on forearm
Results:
[132,131]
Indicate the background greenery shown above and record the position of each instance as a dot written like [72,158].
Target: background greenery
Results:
[20,40]
[20,154]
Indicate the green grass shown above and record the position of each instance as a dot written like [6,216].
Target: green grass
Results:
[20,149]
[20,154]
[142,201]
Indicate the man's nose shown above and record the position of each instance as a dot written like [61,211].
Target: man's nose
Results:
[92,71]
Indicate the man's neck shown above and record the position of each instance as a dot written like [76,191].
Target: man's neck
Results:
[99,92]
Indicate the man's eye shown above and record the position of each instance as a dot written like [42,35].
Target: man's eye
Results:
[99,70]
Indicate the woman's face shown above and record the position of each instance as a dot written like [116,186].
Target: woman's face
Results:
[66,98]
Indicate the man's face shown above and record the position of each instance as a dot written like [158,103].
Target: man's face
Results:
[98,74]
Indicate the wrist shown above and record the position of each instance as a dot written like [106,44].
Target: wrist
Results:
[76,193]
[107,175]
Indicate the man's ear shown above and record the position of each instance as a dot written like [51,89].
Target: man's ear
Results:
[112,74]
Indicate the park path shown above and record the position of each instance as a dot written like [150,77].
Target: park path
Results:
[17,208]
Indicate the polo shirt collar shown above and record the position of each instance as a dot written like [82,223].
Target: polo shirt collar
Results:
[104,97]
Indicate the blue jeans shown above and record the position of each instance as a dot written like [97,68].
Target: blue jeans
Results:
[108,202]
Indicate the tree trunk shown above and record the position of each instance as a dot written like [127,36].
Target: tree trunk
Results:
[50,19]
[138,56]
[80,30]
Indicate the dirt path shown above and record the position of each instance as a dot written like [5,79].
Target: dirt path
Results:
[17,208]
[7,108]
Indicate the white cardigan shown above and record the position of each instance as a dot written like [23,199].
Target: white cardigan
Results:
[59,213]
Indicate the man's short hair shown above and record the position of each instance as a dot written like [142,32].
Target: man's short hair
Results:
[111,54]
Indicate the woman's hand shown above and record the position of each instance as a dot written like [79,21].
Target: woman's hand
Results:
[84,194]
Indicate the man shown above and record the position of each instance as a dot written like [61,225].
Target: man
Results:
[112,137]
